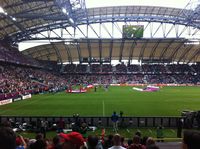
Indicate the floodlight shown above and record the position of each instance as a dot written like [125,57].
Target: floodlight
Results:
[71,20]
[13,18]
[64,10]
[1,10]
[192,41]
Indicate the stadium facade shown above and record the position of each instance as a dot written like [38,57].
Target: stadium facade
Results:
[78,34]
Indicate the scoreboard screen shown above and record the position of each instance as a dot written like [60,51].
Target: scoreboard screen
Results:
[133,31]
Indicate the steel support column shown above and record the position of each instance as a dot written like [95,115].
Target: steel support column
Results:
[59,58]
[154,49]
[89,50]
[78,50]
[162,55]
[111,49]
[142,50]
[134,43]
[100,51]
[197,52]
[185,53]
[68,53]
[121,50]
[175,51]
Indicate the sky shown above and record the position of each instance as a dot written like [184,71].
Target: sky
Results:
[105,3]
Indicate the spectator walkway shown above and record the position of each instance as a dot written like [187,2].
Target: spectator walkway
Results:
[169,145]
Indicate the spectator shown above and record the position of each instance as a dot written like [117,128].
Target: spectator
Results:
[179,127]
[20,143]
[150,141]
[117,142]
[138,133]
[30,143]
[61,125]
[7,138]
[56,143]
[109,142]
[123,144]
[191,139]
[84,129]
[129,142]
[40,143]
[144,140]
[160,134]
[73,140]
[136,143]
[94,143]
[114,119]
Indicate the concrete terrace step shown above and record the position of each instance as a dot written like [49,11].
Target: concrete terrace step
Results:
[169,145]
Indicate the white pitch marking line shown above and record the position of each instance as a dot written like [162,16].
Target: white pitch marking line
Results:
[103,107]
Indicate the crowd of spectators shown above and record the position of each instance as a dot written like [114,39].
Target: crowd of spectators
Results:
[156,79]
[95,68]
[14,56]
[70,68]
[73,140]
[122,68]
[148,68]
[132,79]
[183,68]
[134,74]
[187,79]
[81,68]
[18,79]
[107,68]
[77,140]
[154,69]
[133,68]
[195,68]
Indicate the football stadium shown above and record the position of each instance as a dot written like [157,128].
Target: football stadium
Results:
[99,74]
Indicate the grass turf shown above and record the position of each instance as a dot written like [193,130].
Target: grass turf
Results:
[169,101]
[169,134]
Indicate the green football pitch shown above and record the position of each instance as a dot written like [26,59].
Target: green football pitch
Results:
[169,101]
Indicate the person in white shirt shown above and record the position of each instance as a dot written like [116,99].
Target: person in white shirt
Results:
[117,142]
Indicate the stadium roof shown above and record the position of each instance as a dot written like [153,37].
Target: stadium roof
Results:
[23,20]
[118,49]
[160,3]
